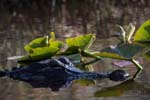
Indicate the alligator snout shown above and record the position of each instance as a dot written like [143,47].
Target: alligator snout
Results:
[118,75]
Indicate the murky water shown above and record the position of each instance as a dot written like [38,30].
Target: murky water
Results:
[12,45]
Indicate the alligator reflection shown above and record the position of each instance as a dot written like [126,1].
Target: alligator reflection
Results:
[57,73]
[120,89]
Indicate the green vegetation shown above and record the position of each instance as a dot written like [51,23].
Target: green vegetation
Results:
[47,47]
[143,33]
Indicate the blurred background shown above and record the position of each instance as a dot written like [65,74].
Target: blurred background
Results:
[71,17]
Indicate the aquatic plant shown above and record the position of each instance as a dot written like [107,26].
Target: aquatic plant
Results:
[47,47]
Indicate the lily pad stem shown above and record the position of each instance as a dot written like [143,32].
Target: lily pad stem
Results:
[137,64]
[90,62]
[137,74]
[89,54]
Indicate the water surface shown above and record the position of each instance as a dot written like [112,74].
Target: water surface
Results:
[100,90]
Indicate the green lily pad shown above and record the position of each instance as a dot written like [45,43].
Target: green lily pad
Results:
[81,42]
[121,51]
[40,53]
[57,44]
[109,55]
[42,48]
[39,42]
[143,33]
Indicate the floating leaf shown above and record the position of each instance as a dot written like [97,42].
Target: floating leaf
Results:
[40,53]
[44,52]
[81,42]
[42,48]
[109,55]
[57,44]
[143,33]
[53,42]
[39,42]
[121,51]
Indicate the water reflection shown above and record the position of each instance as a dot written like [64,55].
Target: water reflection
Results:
[121,89]
[76,91]
[56,73]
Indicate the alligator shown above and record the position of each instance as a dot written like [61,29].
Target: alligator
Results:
[56,73]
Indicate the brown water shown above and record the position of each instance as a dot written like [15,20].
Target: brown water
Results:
[12,45]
